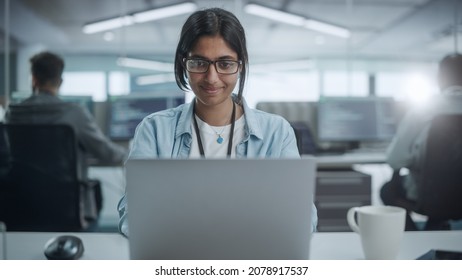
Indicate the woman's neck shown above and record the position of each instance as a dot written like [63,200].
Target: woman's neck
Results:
[218,115]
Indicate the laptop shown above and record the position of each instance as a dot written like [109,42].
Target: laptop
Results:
[220,209]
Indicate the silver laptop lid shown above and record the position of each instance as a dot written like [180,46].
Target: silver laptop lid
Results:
[220,208]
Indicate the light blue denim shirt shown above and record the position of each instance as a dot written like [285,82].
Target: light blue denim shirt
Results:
[168,134]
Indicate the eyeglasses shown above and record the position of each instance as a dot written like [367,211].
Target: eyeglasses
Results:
[223,66]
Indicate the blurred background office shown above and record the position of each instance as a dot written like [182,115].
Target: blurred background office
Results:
[311,49]
[119,55]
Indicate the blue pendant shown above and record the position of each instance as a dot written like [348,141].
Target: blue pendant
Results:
[219,139]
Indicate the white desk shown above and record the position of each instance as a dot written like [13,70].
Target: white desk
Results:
[347,246]
[98,246]
[346,160]
[324,245]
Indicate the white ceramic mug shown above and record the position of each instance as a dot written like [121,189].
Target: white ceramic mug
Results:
[381,230]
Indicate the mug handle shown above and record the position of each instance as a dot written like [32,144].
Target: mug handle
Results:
[351,219]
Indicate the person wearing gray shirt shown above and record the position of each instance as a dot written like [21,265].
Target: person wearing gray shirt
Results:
[45,107]
[408,145]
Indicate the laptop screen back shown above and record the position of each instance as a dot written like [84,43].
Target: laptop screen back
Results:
[220,208]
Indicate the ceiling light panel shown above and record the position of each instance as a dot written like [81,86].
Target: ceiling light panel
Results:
[166,12]
[297,20]
[145,64]
[139,17]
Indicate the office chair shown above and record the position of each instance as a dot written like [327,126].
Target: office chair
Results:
[304,137]
[4,158]
[440,183]
[4,153]
[42,191]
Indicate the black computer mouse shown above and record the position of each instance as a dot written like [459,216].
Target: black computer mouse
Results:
[65,247]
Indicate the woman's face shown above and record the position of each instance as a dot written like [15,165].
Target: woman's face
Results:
[212,88]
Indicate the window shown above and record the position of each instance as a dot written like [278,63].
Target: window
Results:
[288,86]
[343,83]
[119,83]
[410,86]
[85,83]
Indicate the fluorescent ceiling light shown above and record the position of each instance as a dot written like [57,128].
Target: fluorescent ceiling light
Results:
[274,14]
[107,24]
[145,64]
[305,64]
[296,20]
[327,28]
[166,12]
[155,79]
[139,17]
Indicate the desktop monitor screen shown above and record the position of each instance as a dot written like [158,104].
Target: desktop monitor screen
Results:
[345,119]
[127,111]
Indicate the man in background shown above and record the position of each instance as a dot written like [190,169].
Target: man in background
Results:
[408,146]
[45,107]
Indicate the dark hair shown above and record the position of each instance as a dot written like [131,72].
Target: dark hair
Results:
[47,67]
[450,70]
[211,22]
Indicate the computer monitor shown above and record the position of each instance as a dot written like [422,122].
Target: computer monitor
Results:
[127,111]
[356,119]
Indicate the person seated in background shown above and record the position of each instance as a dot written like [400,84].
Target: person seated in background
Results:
[408,145]
[211,59]
[45,107]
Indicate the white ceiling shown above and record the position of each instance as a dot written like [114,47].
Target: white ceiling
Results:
[381,29]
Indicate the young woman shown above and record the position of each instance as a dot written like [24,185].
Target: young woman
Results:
[211,59]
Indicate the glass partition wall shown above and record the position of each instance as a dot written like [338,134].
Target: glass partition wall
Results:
[374,56]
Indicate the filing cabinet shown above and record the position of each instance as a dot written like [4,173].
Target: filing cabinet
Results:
[336,192]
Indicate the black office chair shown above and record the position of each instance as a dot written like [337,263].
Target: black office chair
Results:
[42,191]
[440,183]
[4,153]
[305,140]
[4,158]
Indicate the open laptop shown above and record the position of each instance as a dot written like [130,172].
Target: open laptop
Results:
[220,208]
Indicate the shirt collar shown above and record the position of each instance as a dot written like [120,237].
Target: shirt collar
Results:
[252,126]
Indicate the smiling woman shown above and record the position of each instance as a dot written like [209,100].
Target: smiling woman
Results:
[211,59]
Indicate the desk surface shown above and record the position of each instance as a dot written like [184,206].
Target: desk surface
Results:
[324,245]
[347,245]
[348,159]
[98,246]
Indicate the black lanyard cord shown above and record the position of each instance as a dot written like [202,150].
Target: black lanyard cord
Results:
[231,134]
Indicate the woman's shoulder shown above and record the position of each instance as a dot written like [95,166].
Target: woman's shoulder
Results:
[263,122]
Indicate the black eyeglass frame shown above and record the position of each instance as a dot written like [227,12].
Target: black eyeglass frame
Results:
[239,63]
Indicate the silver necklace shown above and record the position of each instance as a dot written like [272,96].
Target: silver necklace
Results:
[231,133]
[219,138]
